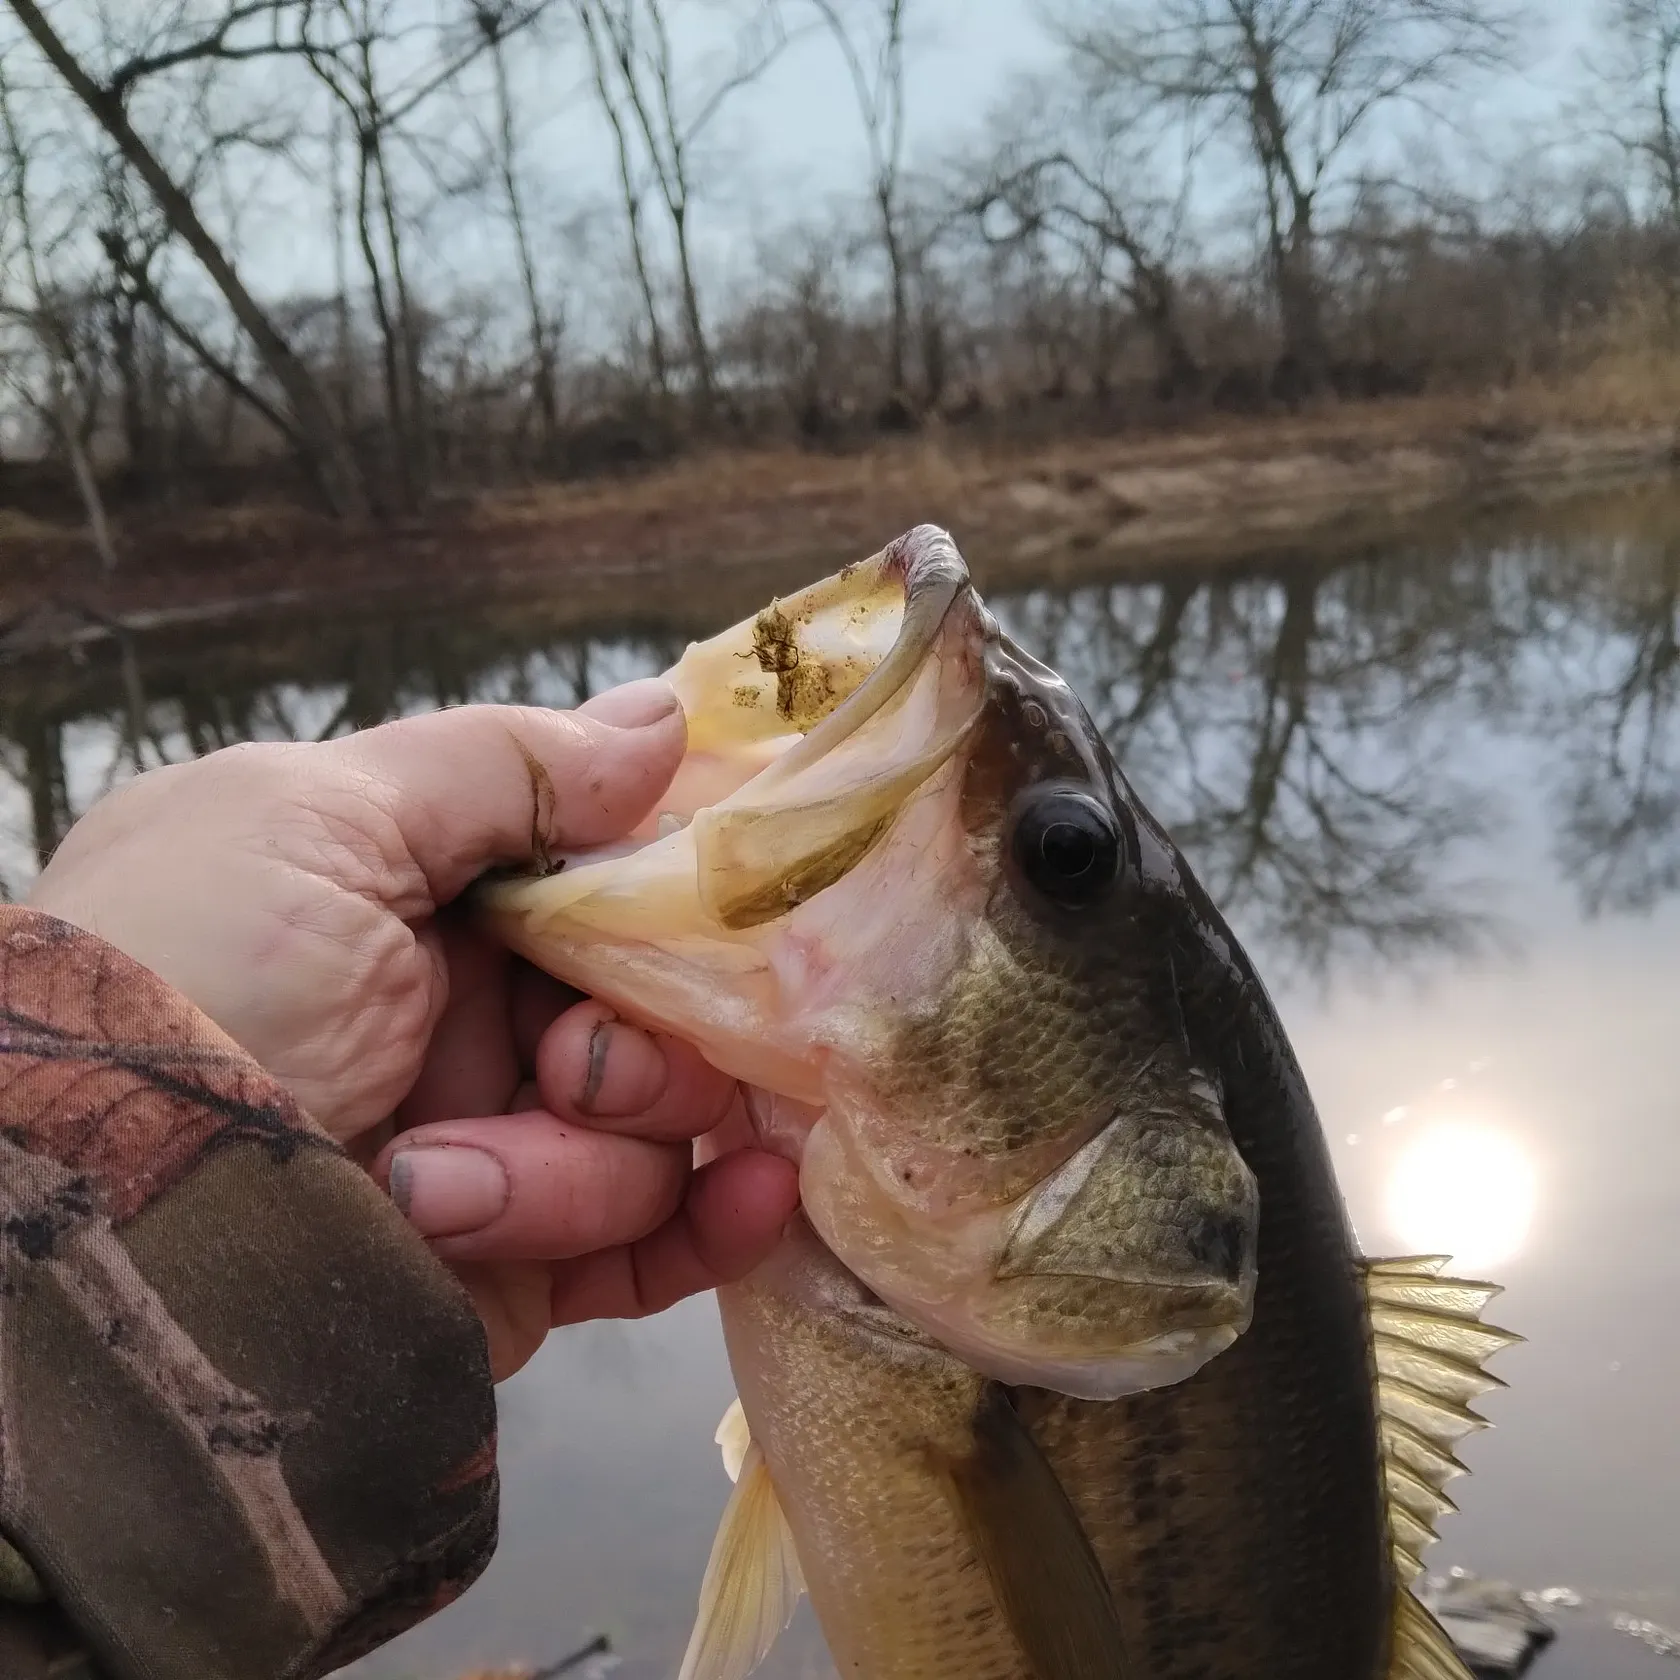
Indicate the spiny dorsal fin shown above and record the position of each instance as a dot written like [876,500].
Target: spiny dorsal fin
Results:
[1033,1548]
[1430,1347]
[753,1580]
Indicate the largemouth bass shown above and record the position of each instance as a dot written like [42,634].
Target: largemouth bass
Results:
[1070,1366]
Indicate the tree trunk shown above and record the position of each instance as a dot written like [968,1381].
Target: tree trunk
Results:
[343,335]
[87,483]
[125,351]
[1304,369]
[898,327]
[318,436]
[544,397]
[701,352]
[418,449]
[396,414]
[1178,373]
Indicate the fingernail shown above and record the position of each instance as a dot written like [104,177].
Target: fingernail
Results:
[626,1074]
[633,705]
[448,1190]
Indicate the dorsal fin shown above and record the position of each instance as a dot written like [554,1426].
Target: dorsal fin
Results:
[1430,1347]
[753,1580]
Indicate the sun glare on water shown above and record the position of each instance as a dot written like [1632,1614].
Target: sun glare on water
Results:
[1463,1189]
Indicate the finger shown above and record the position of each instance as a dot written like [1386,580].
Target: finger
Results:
[611,1076]
[512,1298]
[531,1186]
[730,1220]
[477,786]
[538,1000]
[471,1065]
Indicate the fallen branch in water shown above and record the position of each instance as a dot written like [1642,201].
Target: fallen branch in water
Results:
[599,1646]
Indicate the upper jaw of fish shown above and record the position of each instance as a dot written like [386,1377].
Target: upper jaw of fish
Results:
[814,730]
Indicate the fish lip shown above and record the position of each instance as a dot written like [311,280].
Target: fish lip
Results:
[1159,1361]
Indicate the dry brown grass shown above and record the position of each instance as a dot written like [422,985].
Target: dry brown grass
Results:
[1625,371]
[1215,488]
[1620,384]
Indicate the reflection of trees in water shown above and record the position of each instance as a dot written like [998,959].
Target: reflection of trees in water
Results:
[71,734]
[1309,734]
[1288,731]
[1616,667]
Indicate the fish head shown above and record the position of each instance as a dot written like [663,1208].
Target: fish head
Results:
[901,885]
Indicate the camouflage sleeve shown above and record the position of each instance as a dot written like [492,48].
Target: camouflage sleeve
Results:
[247,1428]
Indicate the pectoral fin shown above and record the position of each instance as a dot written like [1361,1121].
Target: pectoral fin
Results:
[1037,1555]
[753,1579]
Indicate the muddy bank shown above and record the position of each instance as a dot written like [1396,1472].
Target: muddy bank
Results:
[705,538]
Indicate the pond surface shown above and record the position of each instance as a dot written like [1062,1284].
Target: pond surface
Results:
[1436,786]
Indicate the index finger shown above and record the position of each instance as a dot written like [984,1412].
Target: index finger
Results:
[477,786]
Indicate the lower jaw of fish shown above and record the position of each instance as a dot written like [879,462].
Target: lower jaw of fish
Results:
[1110,1373]
[1129,1334]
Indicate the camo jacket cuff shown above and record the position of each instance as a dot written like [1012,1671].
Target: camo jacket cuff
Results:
[247,1427]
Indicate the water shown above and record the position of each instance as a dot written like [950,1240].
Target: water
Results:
[1436,786]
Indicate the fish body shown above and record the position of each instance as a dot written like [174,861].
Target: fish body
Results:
[1070,1366]
[1248,1523]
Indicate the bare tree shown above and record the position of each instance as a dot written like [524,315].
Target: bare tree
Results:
[870,36]
[341,41]
[491,17]
[314,429]
[1640,81]
[1295,83]
[631,190]
[1086,168]
[637,80]
[59,318]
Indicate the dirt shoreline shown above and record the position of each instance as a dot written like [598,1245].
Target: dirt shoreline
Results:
[714,528]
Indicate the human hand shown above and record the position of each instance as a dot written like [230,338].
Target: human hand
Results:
[300,895]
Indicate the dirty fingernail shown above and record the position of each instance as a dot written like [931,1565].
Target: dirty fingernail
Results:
[626,1073]
[633,705]
[448,1190]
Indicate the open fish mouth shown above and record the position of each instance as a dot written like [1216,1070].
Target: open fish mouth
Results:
[897,889]
[810,727]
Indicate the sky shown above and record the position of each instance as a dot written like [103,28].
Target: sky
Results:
[792,146]
[787,153]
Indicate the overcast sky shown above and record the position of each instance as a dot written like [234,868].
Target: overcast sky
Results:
[791,146]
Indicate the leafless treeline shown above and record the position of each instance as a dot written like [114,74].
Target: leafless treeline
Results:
[396,248]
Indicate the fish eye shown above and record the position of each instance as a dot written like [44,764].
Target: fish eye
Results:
[1067,844]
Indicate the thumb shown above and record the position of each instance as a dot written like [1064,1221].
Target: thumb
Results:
[478,786]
